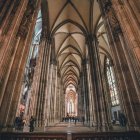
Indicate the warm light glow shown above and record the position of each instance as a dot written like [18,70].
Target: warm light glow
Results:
[71,101]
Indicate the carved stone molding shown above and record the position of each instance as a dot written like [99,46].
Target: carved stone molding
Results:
[111,16]
[53,61]
[114,23]
[121,2]
[85,61]
[90,38]
[116,31]
[107,6]
[59,74]
[49,39]
[11,17]
[24,27]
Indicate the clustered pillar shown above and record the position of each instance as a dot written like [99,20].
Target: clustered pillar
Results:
[17,24]
[101,121]
[122,30]
[47,94]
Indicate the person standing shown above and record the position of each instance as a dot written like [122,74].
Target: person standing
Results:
[83,119]
[75,120]
[16,123]
[32,121]
[122,120]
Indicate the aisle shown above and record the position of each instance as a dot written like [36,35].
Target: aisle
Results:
[69,127]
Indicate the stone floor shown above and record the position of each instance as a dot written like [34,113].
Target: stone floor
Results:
[69,127]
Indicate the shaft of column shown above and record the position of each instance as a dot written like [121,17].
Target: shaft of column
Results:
[99,99]
[13,79]
[130,28]
[86,92]
[129,95]
[9,43]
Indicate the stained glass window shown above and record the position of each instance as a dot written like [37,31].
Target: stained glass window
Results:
[112,83]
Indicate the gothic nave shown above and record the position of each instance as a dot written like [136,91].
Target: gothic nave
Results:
[71,65]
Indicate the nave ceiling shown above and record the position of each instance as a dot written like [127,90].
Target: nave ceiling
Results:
[70,21]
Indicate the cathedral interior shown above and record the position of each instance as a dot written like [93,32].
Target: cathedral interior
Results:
[70,66]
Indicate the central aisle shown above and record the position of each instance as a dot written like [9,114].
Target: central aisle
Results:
[69,127]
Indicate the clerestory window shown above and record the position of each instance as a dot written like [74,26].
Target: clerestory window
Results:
[112,83]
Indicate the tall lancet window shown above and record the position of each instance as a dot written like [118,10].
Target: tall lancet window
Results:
[112,83]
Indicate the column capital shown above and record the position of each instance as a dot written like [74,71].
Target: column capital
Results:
[27,18]
[59,74]
[116,31]
[107,6]
[49,39]
[114,23]
[53,61]
[81,74]
[84,61]
[46,37]
[43,33]
[90,37]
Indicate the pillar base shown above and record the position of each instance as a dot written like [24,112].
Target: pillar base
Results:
[133,128]
[137,128]
[102,127]
[8,129]
[26,128]
[39,129]
[51,124]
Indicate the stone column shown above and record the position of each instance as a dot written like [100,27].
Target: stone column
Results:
[130,46]
[85,90]
[130,28]
[90,89]
[101,122]
[80,92]
[13,79]
[55,94]
[134,7]
[57,107]
[80,99]
[5,9]
[37,79]
[41,82]
[50,101]
[129,91]
[9,40]
[62,101]
[52,93]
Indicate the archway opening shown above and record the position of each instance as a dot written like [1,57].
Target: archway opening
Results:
[71,99]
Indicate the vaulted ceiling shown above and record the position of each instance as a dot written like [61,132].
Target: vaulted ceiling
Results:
[69,22]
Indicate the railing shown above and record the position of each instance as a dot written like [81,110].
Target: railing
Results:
[107,136]
[74,136]
[32,136]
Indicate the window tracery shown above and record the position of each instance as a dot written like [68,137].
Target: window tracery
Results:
[112,83]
